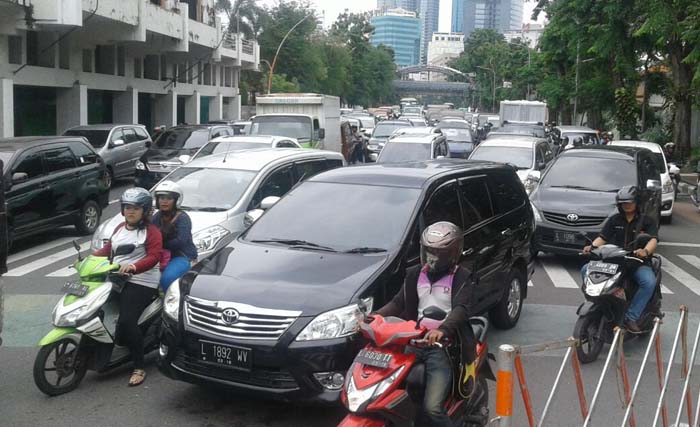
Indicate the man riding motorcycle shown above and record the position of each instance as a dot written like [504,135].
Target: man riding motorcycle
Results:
[441,282]
[621,230]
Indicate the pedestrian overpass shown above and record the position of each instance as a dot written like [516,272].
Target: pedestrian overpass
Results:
[405,87]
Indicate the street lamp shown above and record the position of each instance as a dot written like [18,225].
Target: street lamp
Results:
[493,93]
[274,60]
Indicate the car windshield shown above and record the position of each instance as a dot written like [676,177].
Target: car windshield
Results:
[404,152]
[182,139]
[96,138]
[211,189]
[357,205]
[660,163]
[225,146]
[590,173]
[522,158]
[291,127]
[411,110]
[457,135]
[588,138]
[383,130]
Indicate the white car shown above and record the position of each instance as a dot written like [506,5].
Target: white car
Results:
[224,144]
[529,155]
[411,148]
[667,190]
[221,189]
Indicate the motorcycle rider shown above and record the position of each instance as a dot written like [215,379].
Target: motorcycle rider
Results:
[142,287]
[357,154]
[621,230]
[441,282]
[670,151]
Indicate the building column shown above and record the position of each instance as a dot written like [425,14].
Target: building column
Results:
[71,107]
[125,106]
[166,109]
[233,112]
[216,107]
[7,108]
[192,108]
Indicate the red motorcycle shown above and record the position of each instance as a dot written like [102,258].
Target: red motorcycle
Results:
[385,386]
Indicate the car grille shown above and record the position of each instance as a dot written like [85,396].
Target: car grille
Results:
[270,378]
[253,323]
[162,167]
[582,221]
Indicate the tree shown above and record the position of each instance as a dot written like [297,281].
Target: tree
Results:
[243,16]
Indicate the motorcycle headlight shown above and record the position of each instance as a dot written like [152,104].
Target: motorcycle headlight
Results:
[88,306]
[538,217]
[336,323]
[667,188]
[207,239]
[171,303]
[357,398]
[141,165]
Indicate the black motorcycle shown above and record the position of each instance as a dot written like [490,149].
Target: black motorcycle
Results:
[609,288]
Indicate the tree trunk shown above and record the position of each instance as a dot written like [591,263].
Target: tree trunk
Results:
[682,99]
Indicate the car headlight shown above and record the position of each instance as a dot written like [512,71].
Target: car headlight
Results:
[90,304]
[336,323]
[357,398]
[538,217]
[171,303]
[207,239]
[530,185]
[141,165]
[667,188]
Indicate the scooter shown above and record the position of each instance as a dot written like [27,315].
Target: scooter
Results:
[85,322]
[385,385]
[608,289]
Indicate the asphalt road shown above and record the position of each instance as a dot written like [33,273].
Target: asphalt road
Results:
[37,269]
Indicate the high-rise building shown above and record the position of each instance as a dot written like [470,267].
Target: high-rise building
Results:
[499,15]
[457,16]
[400,30]
[429,14]
[410,5]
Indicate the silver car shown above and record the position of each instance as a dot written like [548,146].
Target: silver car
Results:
[120,146]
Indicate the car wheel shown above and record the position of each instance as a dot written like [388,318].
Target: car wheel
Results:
[667,219]
[109,179]
[89,218]
[506,313]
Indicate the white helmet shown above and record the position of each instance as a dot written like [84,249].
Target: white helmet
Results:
[172,189]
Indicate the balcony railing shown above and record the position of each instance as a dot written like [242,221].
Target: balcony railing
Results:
[247,46]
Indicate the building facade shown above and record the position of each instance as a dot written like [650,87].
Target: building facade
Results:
[400,30]
[429,14]
[409,5]
[153,62]
[457,16]
[445,46]
[498,15]
[529,33]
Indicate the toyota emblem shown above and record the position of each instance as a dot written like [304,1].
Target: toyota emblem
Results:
[230,316]
[572,217]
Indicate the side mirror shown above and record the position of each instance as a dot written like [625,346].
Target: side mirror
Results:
[117,143]
[19,177]
[541,166]
[124,250]
[252,216]
[653,185]
[367,133]
[321,133]
[268,202]
[434,313]
[534,176]
[148,144]
[185,158]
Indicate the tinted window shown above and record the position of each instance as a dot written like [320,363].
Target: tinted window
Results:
[83,153]
[457,135]
[443,206]
[117,135]
[96,138]
[578,173]
[404,152]
[31,165]
[59,159]
[519,157]
[182,139]
[649,169]
[588,138]
[306,170]
[129,135]
[539,155]
[277,184]
[286,144]
[507,192]
[211,189]
[142,134]
[383,130]
[476,204]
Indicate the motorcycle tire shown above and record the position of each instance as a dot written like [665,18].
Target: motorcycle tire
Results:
[588,350]
[62,361]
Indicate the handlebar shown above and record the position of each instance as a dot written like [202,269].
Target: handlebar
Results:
[423,343]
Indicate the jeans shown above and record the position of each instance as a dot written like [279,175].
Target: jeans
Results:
[174,270]
[646,282]
[438,382]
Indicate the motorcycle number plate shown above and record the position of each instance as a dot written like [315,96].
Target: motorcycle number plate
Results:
[226,355]
[75,288]
[373,358]
[602,267]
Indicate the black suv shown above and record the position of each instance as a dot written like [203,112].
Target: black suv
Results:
[174,148]
[276,311]
[576,194]
[51,182]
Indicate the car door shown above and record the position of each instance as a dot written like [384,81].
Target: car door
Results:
[277,183]
[308,168]
[63,177]
[28,203]
[3,233]
[131,150]
[650,199]
[117,154]
[139,148]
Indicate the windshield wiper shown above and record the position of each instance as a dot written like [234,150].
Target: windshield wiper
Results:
[297,244]
[576,187]
[364,250]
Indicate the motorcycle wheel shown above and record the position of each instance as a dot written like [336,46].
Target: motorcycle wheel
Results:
[482,405]
[66,367]
[585,329]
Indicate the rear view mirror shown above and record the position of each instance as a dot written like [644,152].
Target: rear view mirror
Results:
[252,216]
[19,177]
[434,313]
[653,185]
[124,250]
[321,133]
[268,202]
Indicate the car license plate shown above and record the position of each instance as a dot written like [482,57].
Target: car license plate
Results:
[226,355]
[564,237]
[75,288]
[602,267]
[373,358]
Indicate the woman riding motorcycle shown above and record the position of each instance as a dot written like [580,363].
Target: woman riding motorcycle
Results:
[142,287]
[441,282]
[176,227]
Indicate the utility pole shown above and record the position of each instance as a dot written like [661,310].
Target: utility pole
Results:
[493,90]
[578,59]
[274,60]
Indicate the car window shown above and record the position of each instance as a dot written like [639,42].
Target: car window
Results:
[59,159]
[83,153]
[31,165]
[96,138]
[117,135]
[443,206]
[548,153]
[141,133]
[507,192]
[648,169]
[539,155]
[129,135]
[277,184]
[476,203]
[286,144]
[306,170]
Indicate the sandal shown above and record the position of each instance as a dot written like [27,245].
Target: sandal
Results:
[137,377]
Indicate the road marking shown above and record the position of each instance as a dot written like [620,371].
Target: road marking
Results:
[683,245]
[45,261]
[530,284]
[111,202]
[681,275]
[64,272]
[558,275]
[38,249]
[665,290]
[691,259]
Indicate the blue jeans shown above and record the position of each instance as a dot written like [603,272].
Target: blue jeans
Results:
[646,282]
[174,270]
[438,382]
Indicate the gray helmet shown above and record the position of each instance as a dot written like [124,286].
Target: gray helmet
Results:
[441,245]
[626,194]
[137,197]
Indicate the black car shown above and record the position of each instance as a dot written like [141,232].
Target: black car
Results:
[51,182]
[576,194]
[174,148]
[276,311]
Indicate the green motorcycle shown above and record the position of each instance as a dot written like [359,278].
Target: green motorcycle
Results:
[85,323]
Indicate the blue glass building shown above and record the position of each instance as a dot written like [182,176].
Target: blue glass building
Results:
[401,31]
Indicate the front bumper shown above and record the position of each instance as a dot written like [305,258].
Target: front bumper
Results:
[544,238]
[281,369]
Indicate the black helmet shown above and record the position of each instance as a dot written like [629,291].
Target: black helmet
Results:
[441,245]
[137,197]
[626,194]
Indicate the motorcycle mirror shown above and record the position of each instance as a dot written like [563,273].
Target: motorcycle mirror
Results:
[124,250]
[434,313]
[77,248]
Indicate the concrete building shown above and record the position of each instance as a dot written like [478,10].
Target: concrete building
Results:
[529,33]
[445,46]
[155,62]
[429,14]
[398,29]
[499,15]
[409,5]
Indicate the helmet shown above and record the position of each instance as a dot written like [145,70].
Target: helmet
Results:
[669,145]
[626,194]
[170,188]
[578,141]
[137,197]
[441,244]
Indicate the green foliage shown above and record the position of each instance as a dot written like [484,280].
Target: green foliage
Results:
[626,112]
[657,133]
[280,83]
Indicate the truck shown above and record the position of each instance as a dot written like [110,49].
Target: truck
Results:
[523,111]
[313,119]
